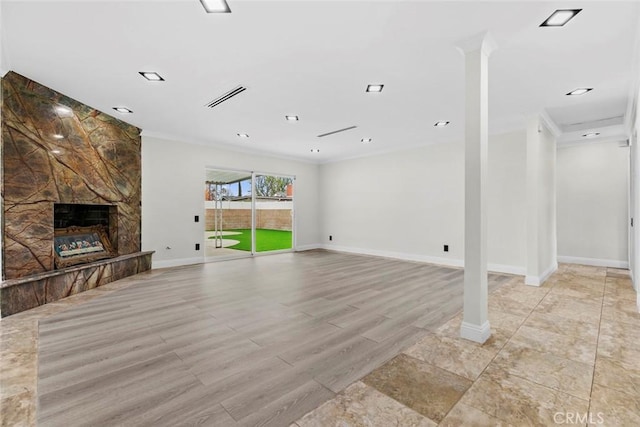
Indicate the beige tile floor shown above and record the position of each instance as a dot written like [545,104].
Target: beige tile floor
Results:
[565,353]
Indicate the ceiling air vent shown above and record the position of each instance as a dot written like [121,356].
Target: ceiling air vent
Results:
[219,100]
[336,131]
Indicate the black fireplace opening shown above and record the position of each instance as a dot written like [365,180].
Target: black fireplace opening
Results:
[84,233]
[77,215]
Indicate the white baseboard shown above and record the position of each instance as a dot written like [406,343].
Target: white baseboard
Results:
[176,262]
[475,333]
[397,255]
[508,269]
[539,280]
[594,261]
[311,247]
[448,262]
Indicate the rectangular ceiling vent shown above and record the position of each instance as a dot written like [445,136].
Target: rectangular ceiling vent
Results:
[336,131]
[219,100]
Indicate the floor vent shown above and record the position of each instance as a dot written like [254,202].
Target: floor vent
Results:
[219,100]
[337,131]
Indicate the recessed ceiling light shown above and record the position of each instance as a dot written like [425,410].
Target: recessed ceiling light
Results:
[580,91]
[375,88]
[63,111]
[57,136]
[215,6]
[591,134]
[441,124]
[366,140]
[243,135]
[152,76]
[560,17]
[292,118]
[315,150]
[123,110]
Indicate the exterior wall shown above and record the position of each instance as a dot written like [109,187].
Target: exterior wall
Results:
[57,150]
[179,196]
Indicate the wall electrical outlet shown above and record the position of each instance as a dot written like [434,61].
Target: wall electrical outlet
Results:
[330,237]
[197,246]
[197,218]
[446,248]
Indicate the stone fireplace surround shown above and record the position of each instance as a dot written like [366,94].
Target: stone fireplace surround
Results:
[58,150]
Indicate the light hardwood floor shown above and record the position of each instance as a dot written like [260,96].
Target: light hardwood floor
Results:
[246,342]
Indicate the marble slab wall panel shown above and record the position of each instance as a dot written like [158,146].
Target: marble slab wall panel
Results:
[26,293]
[58,150]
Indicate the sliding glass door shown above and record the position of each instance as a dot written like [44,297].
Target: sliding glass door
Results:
[274,213]
[228,214]
[247,213]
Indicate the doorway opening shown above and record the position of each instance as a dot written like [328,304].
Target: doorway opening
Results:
[247,213]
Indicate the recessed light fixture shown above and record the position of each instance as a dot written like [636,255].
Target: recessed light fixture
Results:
[560,17]
[152,76]
[315,150]
[57,136]
[243,135]
[366,140]
[375,88]
[292,118]
[580,91]
[63,111]
[215,6]
[591,134]
[123,110]
[441,124]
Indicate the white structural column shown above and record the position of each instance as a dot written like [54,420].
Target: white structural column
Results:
[476,50]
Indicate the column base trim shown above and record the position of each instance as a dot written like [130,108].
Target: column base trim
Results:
[477,333]
[539,280]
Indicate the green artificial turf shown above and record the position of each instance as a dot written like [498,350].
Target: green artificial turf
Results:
[266,240]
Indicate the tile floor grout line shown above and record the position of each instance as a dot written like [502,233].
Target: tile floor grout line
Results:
[593,374]
[498,352]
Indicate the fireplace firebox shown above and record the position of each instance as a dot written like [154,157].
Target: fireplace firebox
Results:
[83,233]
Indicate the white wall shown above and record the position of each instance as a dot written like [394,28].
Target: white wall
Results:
[506,237]
[593,204]
[547,226]
[408,204]
[173,176]
[541,253]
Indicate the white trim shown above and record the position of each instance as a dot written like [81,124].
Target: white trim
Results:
[477,333]
[539,280]
[550,124]
[482,41]
[3,72]
[302,248]
[176,262]
[448,262]
[397,255]
[222,146]
[508,269]
[594,261]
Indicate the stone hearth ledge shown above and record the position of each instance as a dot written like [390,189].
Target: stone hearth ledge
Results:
[17,295]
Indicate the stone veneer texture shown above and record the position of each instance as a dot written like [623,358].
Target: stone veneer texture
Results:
[96,161]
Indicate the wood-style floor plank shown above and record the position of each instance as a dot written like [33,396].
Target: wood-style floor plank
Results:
[249,342]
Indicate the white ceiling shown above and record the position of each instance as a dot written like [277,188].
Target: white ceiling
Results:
[314,59]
